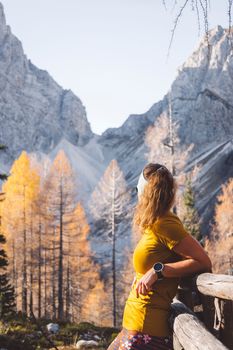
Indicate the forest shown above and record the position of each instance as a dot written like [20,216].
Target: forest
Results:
[48,270]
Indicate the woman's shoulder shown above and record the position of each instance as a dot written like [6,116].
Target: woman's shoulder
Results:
[169,229]
[168,217]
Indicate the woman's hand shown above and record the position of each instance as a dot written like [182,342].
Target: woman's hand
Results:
[143,286]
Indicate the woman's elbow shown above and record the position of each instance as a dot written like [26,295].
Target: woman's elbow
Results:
[207,265]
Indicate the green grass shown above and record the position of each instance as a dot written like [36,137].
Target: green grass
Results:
[22,333]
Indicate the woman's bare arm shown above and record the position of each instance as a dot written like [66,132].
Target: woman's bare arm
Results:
[196,259]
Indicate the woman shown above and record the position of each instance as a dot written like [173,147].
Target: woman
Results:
[165,252]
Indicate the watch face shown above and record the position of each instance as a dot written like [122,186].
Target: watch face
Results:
[158,266]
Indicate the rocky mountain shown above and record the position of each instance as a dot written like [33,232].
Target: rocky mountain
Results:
[202,105]
[35,112]
[37,115]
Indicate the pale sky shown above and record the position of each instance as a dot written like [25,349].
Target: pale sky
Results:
[110,53]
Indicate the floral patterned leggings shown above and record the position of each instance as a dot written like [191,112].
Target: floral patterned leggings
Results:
[140,341]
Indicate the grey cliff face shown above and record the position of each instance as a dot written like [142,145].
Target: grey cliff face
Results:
[202,93]
[201,97]
[35,112]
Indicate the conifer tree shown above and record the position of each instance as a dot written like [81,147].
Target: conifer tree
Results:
[108,203]
[97,304]
[20,189]
[190,217]
[84,295]
[125,277]
[219,244]
[45,247]
[47,229]
[7,294]
[164,144]
[60,200]
[164,147]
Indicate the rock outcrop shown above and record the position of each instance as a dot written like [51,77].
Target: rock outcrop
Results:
[35,112]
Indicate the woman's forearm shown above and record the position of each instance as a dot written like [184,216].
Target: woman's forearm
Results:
[184,268]
[177,269]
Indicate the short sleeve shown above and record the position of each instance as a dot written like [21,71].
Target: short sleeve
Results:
[170,231]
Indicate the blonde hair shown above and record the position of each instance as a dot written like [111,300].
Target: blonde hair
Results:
[157,198]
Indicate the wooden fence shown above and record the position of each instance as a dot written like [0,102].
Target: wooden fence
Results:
[202,314]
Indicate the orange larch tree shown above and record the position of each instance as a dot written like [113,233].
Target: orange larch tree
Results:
[21,190]
[220,243]
[60,200]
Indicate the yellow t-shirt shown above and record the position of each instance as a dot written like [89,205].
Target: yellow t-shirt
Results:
[149,313]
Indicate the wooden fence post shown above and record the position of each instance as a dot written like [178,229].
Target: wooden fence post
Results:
[190,332]
[217,289]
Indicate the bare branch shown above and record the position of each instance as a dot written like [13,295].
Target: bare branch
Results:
[164,4]
[198,17]
[193,5]
[229,34]
[175,24]
[204,8]
[229,15]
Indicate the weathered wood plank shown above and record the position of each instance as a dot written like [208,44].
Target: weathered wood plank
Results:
[190,331]
[176,343]
[220,286]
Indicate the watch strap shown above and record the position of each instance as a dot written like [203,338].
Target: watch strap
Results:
[160,275]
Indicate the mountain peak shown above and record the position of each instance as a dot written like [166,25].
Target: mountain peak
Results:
[2,15]
[3,26]
[217,30]
[207,71]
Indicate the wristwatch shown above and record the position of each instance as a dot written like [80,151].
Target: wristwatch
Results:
[158,267]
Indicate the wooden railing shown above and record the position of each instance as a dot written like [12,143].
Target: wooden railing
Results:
[202,314]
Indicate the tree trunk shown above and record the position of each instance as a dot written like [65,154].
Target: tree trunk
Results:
[39,271]
[68,293]
[14,271]
[45,282]
[54,274]
[79,293]
[31,269]
[24,279]
[60,266]
[172,143]
[113,256]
